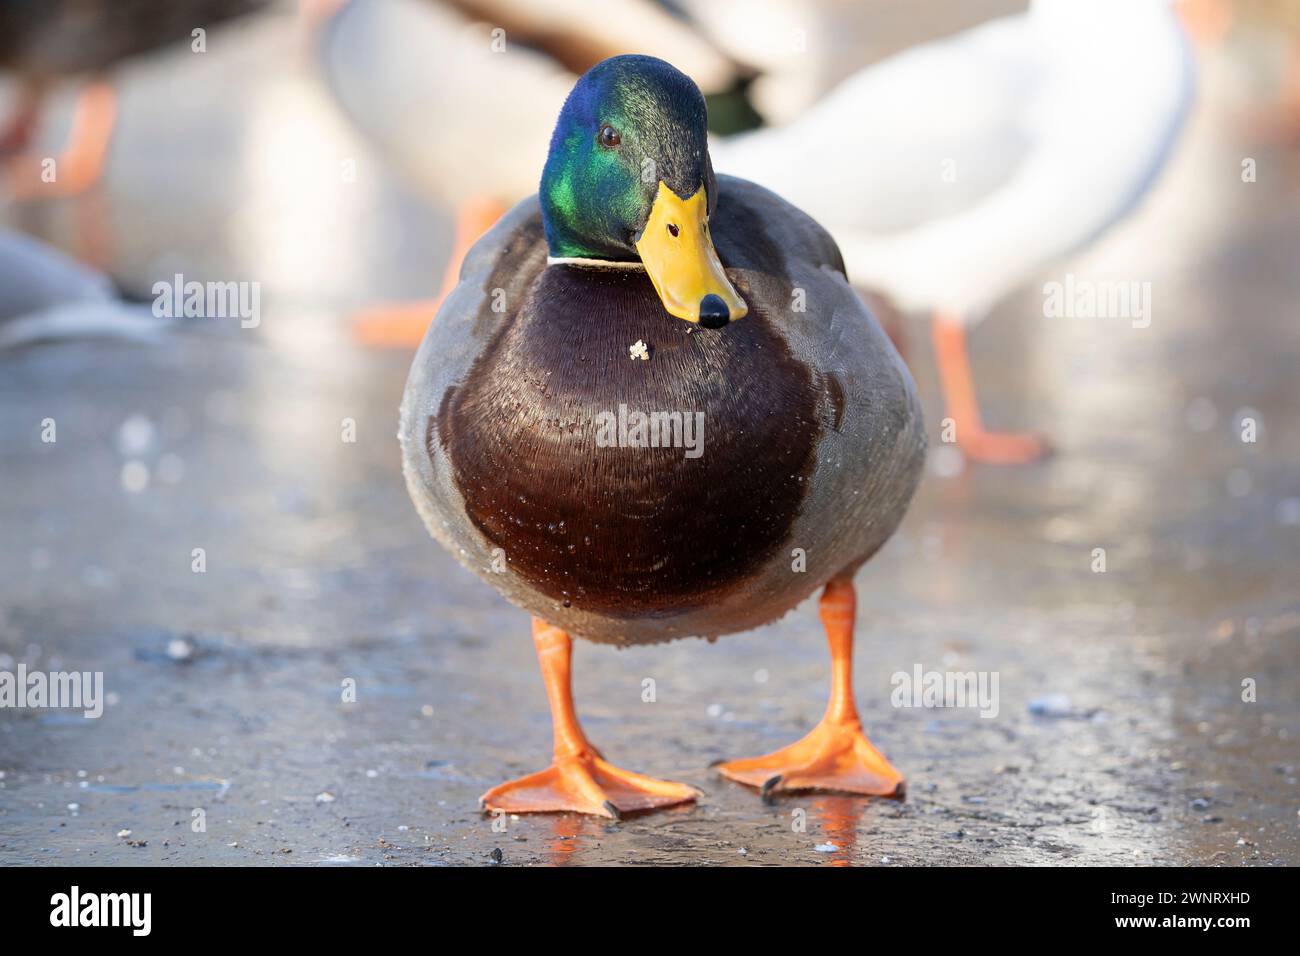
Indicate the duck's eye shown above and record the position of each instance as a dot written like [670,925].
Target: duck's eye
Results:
[608,136]
[673,230]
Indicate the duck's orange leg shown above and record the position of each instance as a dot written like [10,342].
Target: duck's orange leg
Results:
[995,448]
[403,324]
[81,163]
[579,780]
[836,755]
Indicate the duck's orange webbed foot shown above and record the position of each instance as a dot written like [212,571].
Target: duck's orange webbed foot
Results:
[584,783]
[396,325]
[403,324]
[836,755]
[579,780]
[1001,448]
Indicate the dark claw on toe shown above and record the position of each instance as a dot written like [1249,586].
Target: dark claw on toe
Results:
[769,787]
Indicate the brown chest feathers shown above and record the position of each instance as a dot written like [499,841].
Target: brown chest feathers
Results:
[543,443]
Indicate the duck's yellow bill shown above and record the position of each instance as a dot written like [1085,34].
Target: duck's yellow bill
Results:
[678,253]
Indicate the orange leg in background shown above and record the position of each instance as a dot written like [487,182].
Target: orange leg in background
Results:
[994,448]
[836,755]
[403,324]
[18,133]
[81,163]
[579,780]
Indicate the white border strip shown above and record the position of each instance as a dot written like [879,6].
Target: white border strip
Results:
[593,263]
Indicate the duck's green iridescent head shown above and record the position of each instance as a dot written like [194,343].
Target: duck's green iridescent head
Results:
[629,177]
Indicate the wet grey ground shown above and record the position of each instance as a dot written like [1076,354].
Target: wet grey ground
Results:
[226,685]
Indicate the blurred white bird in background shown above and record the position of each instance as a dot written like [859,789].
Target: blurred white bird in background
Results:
[46,295]
[953,172]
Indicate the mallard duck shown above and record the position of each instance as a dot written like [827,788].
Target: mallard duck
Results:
[995,152]
[639,283]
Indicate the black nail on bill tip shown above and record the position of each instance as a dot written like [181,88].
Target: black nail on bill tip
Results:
[714,313]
